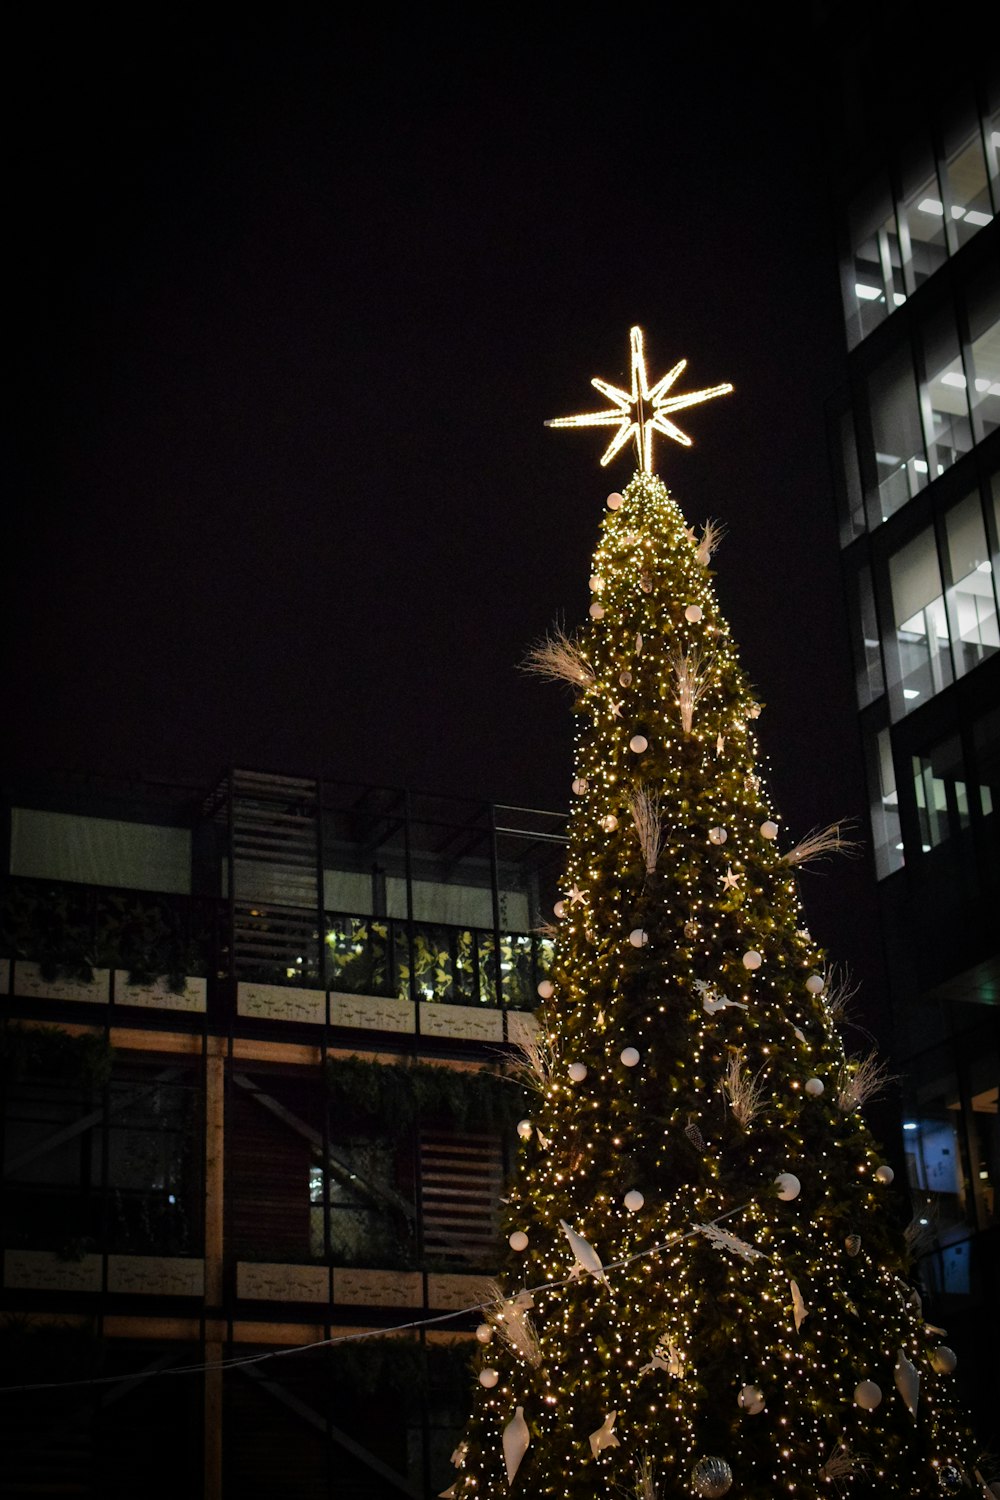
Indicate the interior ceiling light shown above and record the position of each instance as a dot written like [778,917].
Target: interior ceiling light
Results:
[953,378]
[867,293]
[931,206]
[911,693]
[978,218]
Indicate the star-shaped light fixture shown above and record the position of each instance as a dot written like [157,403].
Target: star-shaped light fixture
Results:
[643,411]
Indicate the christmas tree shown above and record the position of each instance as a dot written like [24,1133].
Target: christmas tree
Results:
[705,1292]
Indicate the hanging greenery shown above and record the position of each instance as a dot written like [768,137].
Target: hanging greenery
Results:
[372,1367]
[363,1092]
[51,1053]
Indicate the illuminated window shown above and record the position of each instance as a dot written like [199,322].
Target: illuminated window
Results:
[887,841]
[873,273]
[923,659]
[900,461]
[984,355]
[921,220]
[942,793]
[972,603]
[944,406]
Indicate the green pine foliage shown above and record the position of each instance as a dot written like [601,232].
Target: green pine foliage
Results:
[693,1006]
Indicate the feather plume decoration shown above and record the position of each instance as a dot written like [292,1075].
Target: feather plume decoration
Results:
[840,990]
[842,1463]
[744,1090]
[819,843]
[510,1318]
[535,1058]
[644,806]
[712,533]
[690,669]
[557,658]
[861,1079]
[645,1485]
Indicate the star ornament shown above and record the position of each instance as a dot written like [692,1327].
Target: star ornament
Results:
[640,413]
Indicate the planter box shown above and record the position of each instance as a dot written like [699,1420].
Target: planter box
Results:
[471,1022]
[158,995]
[43,1271]
[156,1276]
[29,984]
[361,1288]
[273,1282]
[372,1012]
[278,1002]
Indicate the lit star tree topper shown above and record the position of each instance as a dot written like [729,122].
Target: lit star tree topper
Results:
[643,410]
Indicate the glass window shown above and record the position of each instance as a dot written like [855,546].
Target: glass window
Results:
[873,275]
[887,841]
[984,355]
[972,605]
[921,220]
[966,190]
[900,462]
[923,661]
[942,793]
[933,1141]
[868,676]
[852,508]
[992,139]
[944,406]
[986,749]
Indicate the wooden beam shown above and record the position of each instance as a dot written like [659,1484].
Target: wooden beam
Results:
[215,1141]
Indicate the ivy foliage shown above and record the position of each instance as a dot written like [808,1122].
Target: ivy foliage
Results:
[50,1052]
[375,1094]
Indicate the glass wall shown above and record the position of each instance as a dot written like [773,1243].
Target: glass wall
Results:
[942,793]
[920,665]
[899,235]
[900,463]
[869,677]
[971,596]
[887,839]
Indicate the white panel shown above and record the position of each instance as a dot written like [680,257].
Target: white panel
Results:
[156,1276]
[41,1270]
[373,1012]
[99,851]
[29,984]
[447,1291]
[473,1021]
[278,1002]
[378,1288]
[348,891]
[273,1282]
[158,995]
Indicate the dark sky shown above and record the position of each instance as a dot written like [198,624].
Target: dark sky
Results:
[295,302]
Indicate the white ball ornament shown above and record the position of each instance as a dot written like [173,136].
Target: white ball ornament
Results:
[867,1395]
[546,989]
[596,583]
[630,1057]
[884,1174]
[638,744]
[518,1240]
[750,1400]
[717,835]
[711,1478]
[484,1333]
[752,959]
[693,613]
[788,1186]
[524,1129]
[633,1201]
[815,1087]
[609,823]
[625,678]
[488,1378]
[769,830]
[638,937]
[815,984]
[580,785]
[560,909]
[578,1071]
[614,501]
[943,1359]
[596,611]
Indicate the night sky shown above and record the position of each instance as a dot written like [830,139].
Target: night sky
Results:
[294,299]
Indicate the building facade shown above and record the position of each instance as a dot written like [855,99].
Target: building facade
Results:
[251,1044]
[916,444]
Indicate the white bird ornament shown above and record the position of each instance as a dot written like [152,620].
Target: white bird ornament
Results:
[586,1257]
